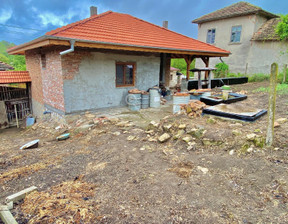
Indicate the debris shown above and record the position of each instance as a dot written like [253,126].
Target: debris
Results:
[182,126]
[135,91]
[236,132]
[193,108]
[211,120]
[68,202]
[179,134]
[231,152]
[281,120]
[6,215]
[203,169]
[192,145]
[31,145]
[276,124]
[63,137]
[163,138]
[131,138]
[167,127]
[20,195]
[251,137]
[153,125]
[117,133]
[187,139]
[250,149]
[183,169]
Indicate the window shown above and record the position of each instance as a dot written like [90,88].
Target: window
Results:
[43,61]
[236,34]
[125,74]
[211,36]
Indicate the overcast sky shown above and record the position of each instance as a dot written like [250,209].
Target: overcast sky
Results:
[36,17]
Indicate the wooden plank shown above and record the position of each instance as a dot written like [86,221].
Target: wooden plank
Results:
[20,195]
[6,215]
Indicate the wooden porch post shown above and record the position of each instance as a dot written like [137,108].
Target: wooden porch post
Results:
[188,60]
[206,61]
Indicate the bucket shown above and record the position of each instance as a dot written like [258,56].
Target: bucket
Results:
[155,98]
[178,100]
[134,101]
[145,101]
[225,94]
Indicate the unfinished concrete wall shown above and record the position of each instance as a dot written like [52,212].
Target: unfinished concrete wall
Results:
[238,60]
[264,53]
[33,65]
[92,83]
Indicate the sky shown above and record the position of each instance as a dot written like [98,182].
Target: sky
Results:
[25,20]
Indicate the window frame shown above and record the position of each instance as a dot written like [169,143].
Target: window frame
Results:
[134,71]
[211,37]
[236,42]
[43,61]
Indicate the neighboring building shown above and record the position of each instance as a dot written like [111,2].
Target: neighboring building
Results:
[5,67]
[248,32]
[109,54]
[173,76]
[14,96]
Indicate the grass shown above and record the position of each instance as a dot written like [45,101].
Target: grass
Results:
[282,89]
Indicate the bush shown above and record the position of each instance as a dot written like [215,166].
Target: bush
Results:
[260,77]
[221,70]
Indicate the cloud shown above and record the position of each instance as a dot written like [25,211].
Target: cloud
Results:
[5,14]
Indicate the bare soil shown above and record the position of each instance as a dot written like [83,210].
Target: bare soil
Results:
[218,175]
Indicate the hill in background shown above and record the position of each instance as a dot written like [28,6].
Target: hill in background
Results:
[16,61]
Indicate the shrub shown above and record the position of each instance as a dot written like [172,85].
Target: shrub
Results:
[221,70]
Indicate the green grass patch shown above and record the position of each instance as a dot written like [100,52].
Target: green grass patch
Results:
[260,77]
[282,89]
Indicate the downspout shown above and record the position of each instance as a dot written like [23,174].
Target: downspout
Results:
[72,42]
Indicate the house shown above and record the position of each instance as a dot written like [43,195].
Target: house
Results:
[5,67]
[92,63]
[248,32]
[15,103]
[174,77]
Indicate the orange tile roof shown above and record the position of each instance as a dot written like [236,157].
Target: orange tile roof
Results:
[123,29]
[14,77]
[234,10]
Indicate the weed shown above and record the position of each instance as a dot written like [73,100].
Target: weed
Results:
[282,89]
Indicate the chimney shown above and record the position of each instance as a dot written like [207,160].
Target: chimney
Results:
[165,24]
[93,11]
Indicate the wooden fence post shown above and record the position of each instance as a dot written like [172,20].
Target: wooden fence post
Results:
[272,104]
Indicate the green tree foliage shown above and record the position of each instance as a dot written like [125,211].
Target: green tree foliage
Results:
[16,61]
[180,63]
[221,70]
[282,28]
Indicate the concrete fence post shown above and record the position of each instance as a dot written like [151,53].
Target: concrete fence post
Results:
[272,104]
[284,73]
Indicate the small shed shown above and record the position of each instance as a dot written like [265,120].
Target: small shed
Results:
[15,97]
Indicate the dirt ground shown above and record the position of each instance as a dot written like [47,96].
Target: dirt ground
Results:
[115,170]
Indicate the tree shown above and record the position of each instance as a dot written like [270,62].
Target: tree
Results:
[282,28]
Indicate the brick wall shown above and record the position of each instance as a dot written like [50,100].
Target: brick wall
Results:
[33,66]
[52,79]
[71,63]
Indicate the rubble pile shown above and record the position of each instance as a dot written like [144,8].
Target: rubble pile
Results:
[193,108]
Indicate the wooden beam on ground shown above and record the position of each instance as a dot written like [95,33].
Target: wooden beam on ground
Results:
[6,215]
[20,195]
